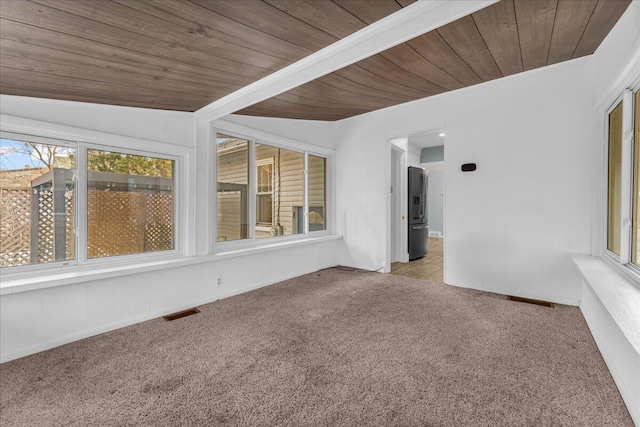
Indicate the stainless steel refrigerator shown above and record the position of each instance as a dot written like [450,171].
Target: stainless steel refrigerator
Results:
[418,222]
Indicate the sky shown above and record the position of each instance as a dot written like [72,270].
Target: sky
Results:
[11,158]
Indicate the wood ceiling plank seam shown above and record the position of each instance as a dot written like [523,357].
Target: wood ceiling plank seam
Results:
[314,114]
[405,3]
[70,73]
[24,74]
[518,32]
[314,25]
[308,107]
[393,83]
[10,90]
[533,31]
[106,16]
[368,12]
[451,51]
[555,16]
[404,82]
[435,65]
[498,28]
[226,29]
[317,46]
[432,74]
[584,30]
[206,75]
[301,91]
[459,56]
[567,18]
[486,46]
[325,79]
[238,68]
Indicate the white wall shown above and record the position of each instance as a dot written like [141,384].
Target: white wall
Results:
[36,320]
[172,127]
[511,223]
[435,198]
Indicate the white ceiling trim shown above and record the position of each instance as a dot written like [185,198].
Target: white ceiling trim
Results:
[410,22]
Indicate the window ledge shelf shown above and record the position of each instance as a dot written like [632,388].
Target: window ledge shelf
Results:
[48,279]
[617,294]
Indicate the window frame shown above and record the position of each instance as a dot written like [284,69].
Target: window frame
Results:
[257,137]
[624,261]
[623,249]
[81,261]
[259,163]
[21,136]
[83,219]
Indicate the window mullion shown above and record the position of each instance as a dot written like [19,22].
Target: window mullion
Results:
[253,184]
[305,200]
[627,178]
[81,203]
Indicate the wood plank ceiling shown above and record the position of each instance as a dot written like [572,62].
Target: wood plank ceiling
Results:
[506,38]
[167,54]
[179,55]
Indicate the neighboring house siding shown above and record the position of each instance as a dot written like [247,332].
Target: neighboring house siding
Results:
[290,182]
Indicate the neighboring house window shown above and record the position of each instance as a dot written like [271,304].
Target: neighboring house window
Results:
[122,203]
[264,193]
[275,180]
[623,181]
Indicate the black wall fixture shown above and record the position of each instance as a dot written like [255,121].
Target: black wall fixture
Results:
[468,167]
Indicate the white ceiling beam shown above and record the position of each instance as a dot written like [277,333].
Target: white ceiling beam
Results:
[409,22]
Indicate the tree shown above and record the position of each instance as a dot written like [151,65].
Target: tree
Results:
[40,155]
[106,161]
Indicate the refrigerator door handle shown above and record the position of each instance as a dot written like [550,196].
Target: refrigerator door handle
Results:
[422,197]
[419,227]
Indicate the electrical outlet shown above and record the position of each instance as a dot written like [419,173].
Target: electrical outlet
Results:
[218,281]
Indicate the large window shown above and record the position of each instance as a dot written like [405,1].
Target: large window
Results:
[267,191]
[280,197]
[129,204]
[37,214]
[623,181]
[121,203]
[232,187]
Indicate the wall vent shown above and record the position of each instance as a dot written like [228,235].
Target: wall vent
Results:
[530,301]
[181,314]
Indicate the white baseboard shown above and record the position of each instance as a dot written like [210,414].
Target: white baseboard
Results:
[436,234]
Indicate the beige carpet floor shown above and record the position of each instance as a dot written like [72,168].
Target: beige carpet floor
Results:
[332,348]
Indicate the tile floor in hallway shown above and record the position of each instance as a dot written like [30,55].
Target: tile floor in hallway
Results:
[429,267]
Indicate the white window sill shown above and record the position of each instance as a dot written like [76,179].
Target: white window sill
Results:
[14,283]
[617,294]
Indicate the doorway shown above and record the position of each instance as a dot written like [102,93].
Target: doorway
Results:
[424,150]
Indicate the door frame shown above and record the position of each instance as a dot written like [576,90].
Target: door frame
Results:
[397,233]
